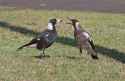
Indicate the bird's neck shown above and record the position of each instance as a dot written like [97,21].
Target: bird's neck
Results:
[51,26]
[77,26]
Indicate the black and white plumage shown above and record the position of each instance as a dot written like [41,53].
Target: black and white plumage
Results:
[83,38]
[45,39]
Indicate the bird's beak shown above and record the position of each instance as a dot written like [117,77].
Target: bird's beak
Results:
[59,20]
[69,18]
[69,23]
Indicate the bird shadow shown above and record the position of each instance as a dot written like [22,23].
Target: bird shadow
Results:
[112,53]
[74,57]
[19,29]
[39,56]
[70,57]
[66,40]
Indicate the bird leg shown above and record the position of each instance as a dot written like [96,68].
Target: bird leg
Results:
[80,50]
[42,54]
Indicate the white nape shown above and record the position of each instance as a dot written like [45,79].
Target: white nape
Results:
[50,26]
[77,25]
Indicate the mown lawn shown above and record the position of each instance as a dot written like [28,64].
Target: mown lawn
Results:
[63,61]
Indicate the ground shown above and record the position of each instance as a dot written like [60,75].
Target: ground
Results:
[63,61]
[84,5]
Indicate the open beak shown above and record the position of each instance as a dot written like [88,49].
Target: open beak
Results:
[69,18]
[59,20]
[69,23]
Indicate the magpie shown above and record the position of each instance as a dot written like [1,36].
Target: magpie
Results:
[83,38]
[45,39]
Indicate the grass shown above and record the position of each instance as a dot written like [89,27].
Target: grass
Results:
[65,63]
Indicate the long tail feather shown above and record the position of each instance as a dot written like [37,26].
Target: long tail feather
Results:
[33,41]
[94,56]
[92,44]
[92,50]
[22,47]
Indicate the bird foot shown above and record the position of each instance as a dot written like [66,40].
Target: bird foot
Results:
[94,57]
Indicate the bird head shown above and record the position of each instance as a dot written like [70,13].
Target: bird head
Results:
[53,22]
[73,21]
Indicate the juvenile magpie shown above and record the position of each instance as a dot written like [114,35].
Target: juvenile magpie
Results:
[83,38]
[45,39]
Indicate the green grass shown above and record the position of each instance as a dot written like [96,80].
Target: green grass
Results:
[65,63]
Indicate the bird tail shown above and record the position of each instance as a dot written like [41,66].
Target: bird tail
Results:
[92,50]
[94,56]
[33,41]
[92,44]
[21,47]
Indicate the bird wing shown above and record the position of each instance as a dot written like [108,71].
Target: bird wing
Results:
[43,34]
[85,38]
[85,42]
[48,35]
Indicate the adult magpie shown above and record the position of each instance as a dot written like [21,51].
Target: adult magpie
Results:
[83,38]
[45,39]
